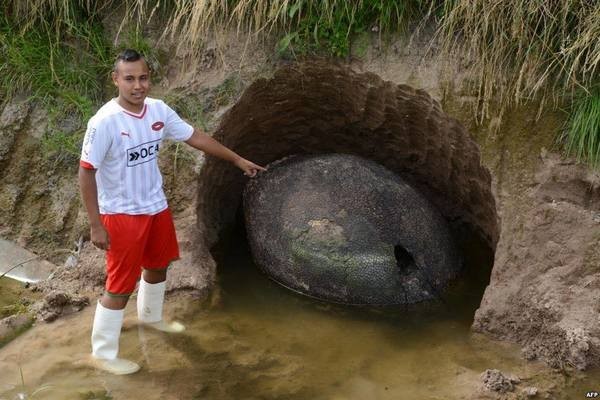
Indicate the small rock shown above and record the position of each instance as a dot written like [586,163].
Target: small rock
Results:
[71,262]
[13,115]
[11,325]
[56,299]
[49,316]
[531,391]
[495,381]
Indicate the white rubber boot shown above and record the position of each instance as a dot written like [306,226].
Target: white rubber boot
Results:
[150,300]
[105,342]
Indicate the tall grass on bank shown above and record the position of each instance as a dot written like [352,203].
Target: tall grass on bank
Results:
[56,52]
[517,50]
[524,48]
[58,57]
[63,68]
[306,25]
[582,134]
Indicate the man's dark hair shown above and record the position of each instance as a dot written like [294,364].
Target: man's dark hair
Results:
[128,55]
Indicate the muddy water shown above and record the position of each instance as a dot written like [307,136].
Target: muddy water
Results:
[257,340]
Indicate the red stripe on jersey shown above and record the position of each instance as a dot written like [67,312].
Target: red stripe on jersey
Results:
[86,165]
[140,116]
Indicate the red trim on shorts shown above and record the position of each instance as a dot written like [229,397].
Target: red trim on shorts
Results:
[86,165]
[140,116]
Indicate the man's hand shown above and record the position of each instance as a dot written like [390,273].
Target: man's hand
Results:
[99,237]
[250,169]
[201,141]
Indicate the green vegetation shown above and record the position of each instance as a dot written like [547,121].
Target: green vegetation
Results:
[331,25]
[517,50]
[226,91]
[10,293]
[186,105]
[60,63]
[61,70]
[582,134]
[303,26]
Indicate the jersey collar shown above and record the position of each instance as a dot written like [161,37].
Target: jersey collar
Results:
[139,116]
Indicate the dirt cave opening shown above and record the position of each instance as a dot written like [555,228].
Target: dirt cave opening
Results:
[322,108]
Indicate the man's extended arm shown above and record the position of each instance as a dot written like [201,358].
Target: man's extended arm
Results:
[207,144]
[89,195]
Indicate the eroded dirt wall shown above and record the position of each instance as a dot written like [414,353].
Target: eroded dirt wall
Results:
[544,290]
[39,197]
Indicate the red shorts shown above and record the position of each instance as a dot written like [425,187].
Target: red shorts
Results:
[137,241]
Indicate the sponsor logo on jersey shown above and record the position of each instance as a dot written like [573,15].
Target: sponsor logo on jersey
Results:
[158,125]
[125,134]
[142,153]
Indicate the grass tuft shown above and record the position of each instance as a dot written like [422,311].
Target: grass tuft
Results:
[304,26]
[55,52]
[582,134]
[525,48]
[67,68]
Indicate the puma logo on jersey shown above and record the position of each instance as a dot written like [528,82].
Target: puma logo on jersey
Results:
[142,153]
[158,125]
[125,134]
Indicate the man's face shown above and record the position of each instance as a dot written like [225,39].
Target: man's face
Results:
[132,78]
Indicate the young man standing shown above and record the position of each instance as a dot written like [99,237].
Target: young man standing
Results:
[121,187]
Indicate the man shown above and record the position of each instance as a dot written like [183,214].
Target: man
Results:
[121,187]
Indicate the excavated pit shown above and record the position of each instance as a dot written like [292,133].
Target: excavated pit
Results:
[323,108]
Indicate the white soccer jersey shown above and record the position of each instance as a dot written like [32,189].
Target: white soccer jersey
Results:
[124,147]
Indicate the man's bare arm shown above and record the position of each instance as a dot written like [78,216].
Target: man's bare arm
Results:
[89,195]
[207,144]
